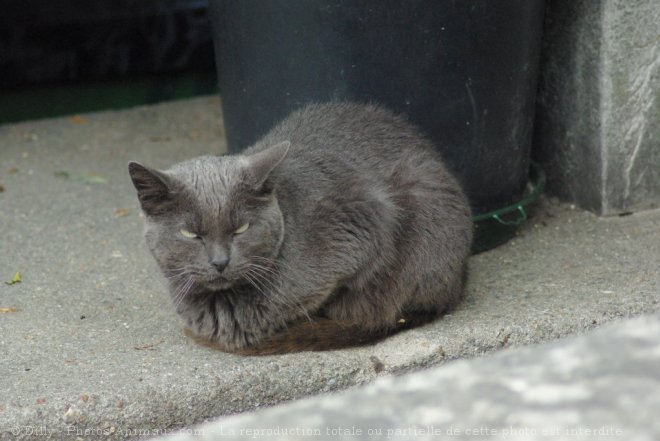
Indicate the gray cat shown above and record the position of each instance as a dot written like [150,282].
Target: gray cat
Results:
[339,227]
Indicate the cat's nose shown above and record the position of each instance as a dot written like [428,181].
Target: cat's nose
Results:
[218,257]
[220,261]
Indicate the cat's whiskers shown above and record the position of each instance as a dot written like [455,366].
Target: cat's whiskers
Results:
[178,270]
[182,292]
[266,270]
[176,279]
[252,280]
[266,276]
[266,287]
[270,262]
[269,265]
[177,273]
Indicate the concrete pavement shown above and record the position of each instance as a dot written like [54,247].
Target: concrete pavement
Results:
[90,346]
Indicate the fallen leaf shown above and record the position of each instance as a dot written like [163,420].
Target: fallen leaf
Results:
[16,279]
[121,212]
[13,169]
[7,310]
[63,174]
[148,346]
[79,119]
[89,178]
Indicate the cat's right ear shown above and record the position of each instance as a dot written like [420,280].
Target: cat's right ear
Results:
[259,165]
[153,188]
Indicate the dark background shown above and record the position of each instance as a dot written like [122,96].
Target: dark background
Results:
[69,56]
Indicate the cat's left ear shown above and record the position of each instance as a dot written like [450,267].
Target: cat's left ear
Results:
[153,188]
[261,164]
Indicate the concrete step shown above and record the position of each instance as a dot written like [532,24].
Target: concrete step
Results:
[604,386]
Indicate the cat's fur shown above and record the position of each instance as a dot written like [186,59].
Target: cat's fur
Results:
[356,229]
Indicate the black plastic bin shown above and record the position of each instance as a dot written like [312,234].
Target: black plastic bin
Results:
[465,71]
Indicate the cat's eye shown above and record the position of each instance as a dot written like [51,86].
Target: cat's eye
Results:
[188,234]
[243,228]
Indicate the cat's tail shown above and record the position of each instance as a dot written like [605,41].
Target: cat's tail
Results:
[320,334]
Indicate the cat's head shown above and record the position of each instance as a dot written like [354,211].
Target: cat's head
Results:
[210,218]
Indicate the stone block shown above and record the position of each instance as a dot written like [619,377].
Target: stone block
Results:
[597,130]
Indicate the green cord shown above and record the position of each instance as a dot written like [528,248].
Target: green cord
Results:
[537,189]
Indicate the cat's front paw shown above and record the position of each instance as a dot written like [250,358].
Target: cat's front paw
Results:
[216,330]
[225,342]
[230,325]
[205,341]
